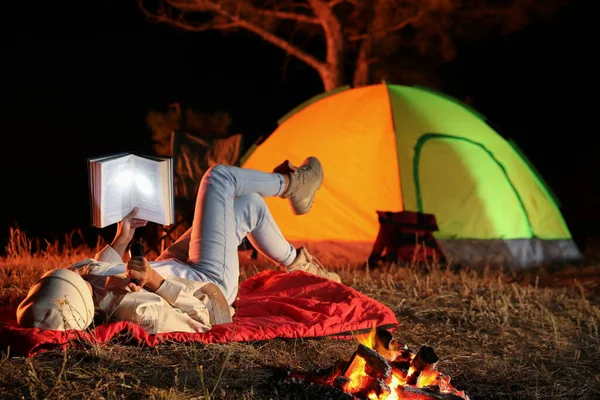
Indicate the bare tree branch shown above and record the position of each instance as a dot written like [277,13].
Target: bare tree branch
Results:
[334,3]
[186,6]
[268,36]
[181,23]
[388,30]
[367,32]
[289,15]
[200,6]
[234,21]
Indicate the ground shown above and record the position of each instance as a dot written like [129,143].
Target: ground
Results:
[499,335]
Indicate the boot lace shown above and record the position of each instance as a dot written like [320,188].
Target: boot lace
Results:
[302,177]
[310,259]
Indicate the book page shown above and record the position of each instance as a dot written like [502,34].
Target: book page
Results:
[148,190]
[168,190]
[116,189]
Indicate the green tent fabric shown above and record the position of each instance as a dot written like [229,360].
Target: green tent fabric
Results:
[491,207]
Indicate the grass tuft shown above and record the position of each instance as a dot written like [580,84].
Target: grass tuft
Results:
[499,335]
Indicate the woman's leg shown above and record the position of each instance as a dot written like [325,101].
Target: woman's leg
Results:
[214,239]
[178,250]
[253,219]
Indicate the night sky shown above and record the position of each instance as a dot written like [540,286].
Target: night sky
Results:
[79,80]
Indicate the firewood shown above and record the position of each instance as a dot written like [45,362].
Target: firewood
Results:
[377,366]
[403,361]
[374,374]
[413,378]
[384,337]
[402,365]
[328,374]
[386,345]
[425,359]
[341,382]
[371,385]
[404,355]
[351,365]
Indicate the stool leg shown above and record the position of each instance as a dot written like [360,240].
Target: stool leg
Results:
[378,247]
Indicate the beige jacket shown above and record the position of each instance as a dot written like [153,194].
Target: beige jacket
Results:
[178,305]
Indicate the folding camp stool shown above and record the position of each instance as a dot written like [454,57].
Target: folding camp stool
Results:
[406,236]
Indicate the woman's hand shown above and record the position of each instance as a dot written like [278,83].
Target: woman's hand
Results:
[139,268]
[126,230]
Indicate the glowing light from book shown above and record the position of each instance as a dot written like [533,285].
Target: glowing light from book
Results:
[143,184]
[124,178]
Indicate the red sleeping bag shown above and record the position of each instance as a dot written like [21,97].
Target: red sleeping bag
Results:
[271,304]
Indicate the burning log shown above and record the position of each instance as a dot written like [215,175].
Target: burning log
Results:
[382,369]
[399,356]
[424,360]
[374,387]
[376,365]
[401,365]
[341,382]
[367,372]
[385,344]
[323,376]
[403,360]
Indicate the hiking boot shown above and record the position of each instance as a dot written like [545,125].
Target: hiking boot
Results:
[307,263]
[304,183]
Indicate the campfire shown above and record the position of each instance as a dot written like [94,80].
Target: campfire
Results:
[382,369]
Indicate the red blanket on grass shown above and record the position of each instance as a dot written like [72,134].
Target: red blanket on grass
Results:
[272,304]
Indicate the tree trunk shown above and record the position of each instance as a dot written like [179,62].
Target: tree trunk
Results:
[332,73]
[332,78]
[336,51]
[362,70]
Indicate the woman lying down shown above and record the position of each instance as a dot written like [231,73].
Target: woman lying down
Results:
[191,286]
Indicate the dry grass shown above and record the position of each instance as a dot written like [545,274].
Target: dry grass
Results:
[499,335]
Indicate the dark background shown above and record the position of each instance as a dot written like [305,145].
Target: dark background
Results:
[78,80]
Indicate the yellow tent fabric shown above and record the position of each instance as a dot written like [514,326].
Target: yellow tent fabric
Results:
[353,136]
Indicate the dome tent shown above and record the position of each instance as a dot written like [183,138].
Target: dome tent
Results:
[400,148]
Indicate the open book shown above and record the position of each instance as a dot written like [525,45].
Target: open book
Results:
[120,182]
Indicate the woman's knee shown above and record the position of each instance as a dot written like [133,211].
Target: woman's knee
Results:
[219,173]
[253,203]
[250,210]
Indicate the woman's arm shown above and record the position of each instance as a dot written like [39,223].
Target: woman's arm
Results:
[139,268]
[156,314]
[125,232]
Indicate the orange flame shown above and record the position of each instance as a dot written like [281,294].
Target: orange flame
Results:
[369,338]
[358,376]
